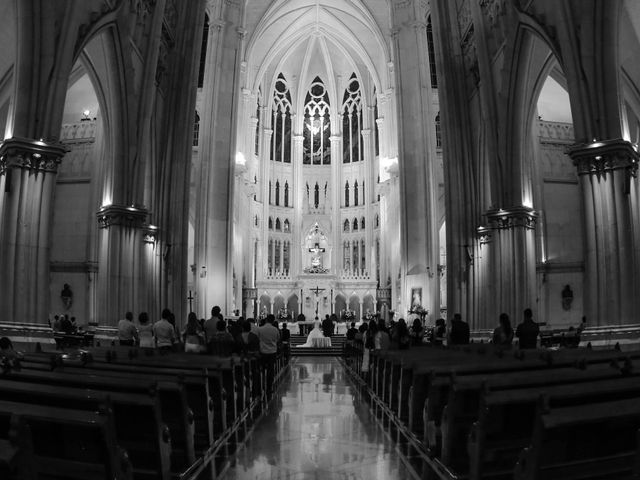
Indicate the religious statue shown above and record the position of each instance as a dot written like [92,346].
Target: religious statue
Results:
[66,295]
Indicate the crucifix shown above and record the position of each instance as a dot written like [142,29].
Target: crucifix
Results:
[317,291]
[190,298]
[316,250]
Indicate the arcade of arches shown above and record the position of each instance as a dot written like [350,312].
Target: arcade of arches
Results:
[319,156]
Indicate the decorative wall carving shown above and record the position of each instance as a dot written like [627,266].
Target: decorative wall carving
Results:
[493,9]
[554,137]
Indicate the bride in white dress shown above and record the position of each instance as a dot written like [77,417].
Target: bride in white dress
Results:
[315,333]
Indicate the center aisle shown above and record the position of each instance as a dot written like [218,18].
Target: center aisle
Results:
[318,429]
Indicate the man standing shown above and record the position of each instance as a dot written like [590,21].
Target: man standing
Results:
[269,336]
[210,326]
[164,332]
[327,326]
[527,331]
[127,331]
[459,334]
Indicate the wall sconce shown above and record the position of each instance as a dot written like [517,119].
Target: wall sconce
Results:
[203,271]
[86,116]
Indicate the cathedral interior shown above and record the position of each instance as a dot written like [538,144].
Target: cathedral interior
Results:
[364,158]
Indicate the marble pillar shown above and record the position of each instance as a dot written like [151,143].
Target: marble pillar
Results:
[28,170]
[607,171]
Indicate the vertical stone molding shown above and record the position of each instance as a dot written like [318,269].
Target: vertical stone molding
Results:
[28,171]
[606,169]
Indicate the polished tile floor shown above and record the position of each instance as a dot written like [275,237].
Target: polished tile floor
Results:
[317,429]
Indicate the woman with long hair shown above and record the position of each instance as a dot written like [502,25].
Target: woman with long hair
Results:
[193,335]
[503,334]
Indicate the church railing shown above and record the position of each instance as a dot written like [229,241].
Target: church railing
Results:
[278,275]
[355,275]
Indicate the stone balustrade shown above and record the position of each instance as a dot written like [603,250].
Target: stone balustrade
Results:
[78,132]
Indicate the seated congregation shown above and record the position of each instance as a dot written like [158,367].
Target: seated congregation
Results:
[150,407]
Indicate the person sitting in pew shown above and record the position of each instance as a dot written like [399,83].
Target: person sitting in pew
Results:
[145,331]
[459,333]
[221,343]
[527,331]
[193,335]
[503,334]
[250,341]
[127,331]
[7,351]
[164,333]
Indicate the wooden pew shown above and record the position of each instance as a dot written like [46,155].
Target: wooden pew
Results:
[172,395]
[505,422]
[593,441]
[464,393]
[139,427]
[67,444]
[186,410]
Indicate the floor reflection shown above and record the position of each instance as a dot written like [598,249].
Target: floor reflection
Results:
[317,430]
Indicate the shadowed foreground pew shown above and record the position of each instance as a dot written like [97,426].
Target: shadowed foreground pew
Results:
[89,450]
[437,401]
[208,404]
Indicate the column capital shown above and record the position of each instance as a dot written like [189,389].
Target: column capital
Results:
[130,216]
[512,217]
[601,156]
[35,155]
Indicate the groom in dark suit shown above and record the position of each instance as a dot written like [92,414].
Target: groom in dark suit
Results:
[327,326]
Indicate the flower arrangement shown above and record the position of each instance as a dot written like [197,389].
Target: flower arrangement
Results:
[316,269]
[369,316]
[283,314]
[418,310]
[348,315]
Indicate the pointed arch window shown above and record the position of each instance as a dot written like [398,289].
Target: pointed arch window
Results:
[277,255]
[363,255]
[269,192]
[196,130]
[286,254]
[438,132]
[278,225]
[270,223]
[377,221]
[270,256]
[317,126]
[281,122]
[352,122]
[277,192]
[355,193]
[286,194]
[346,256]
[203,51]
[432,54]
[346,194]
[286,226]
[355,257]
[316,196]
[355,224]
[346,226]
[362,223]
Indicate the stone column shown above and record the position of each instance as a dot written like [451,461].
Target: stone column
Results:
[299,206]
[121,237]
[606,169]
[218,150]
[419,246]
[28,170]
[514,263]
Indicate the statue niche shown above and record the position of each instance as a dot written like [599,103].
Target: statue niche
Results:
[315,250]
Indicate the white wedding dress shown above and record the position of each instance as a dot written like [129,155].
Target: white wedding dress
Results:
[313,334]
